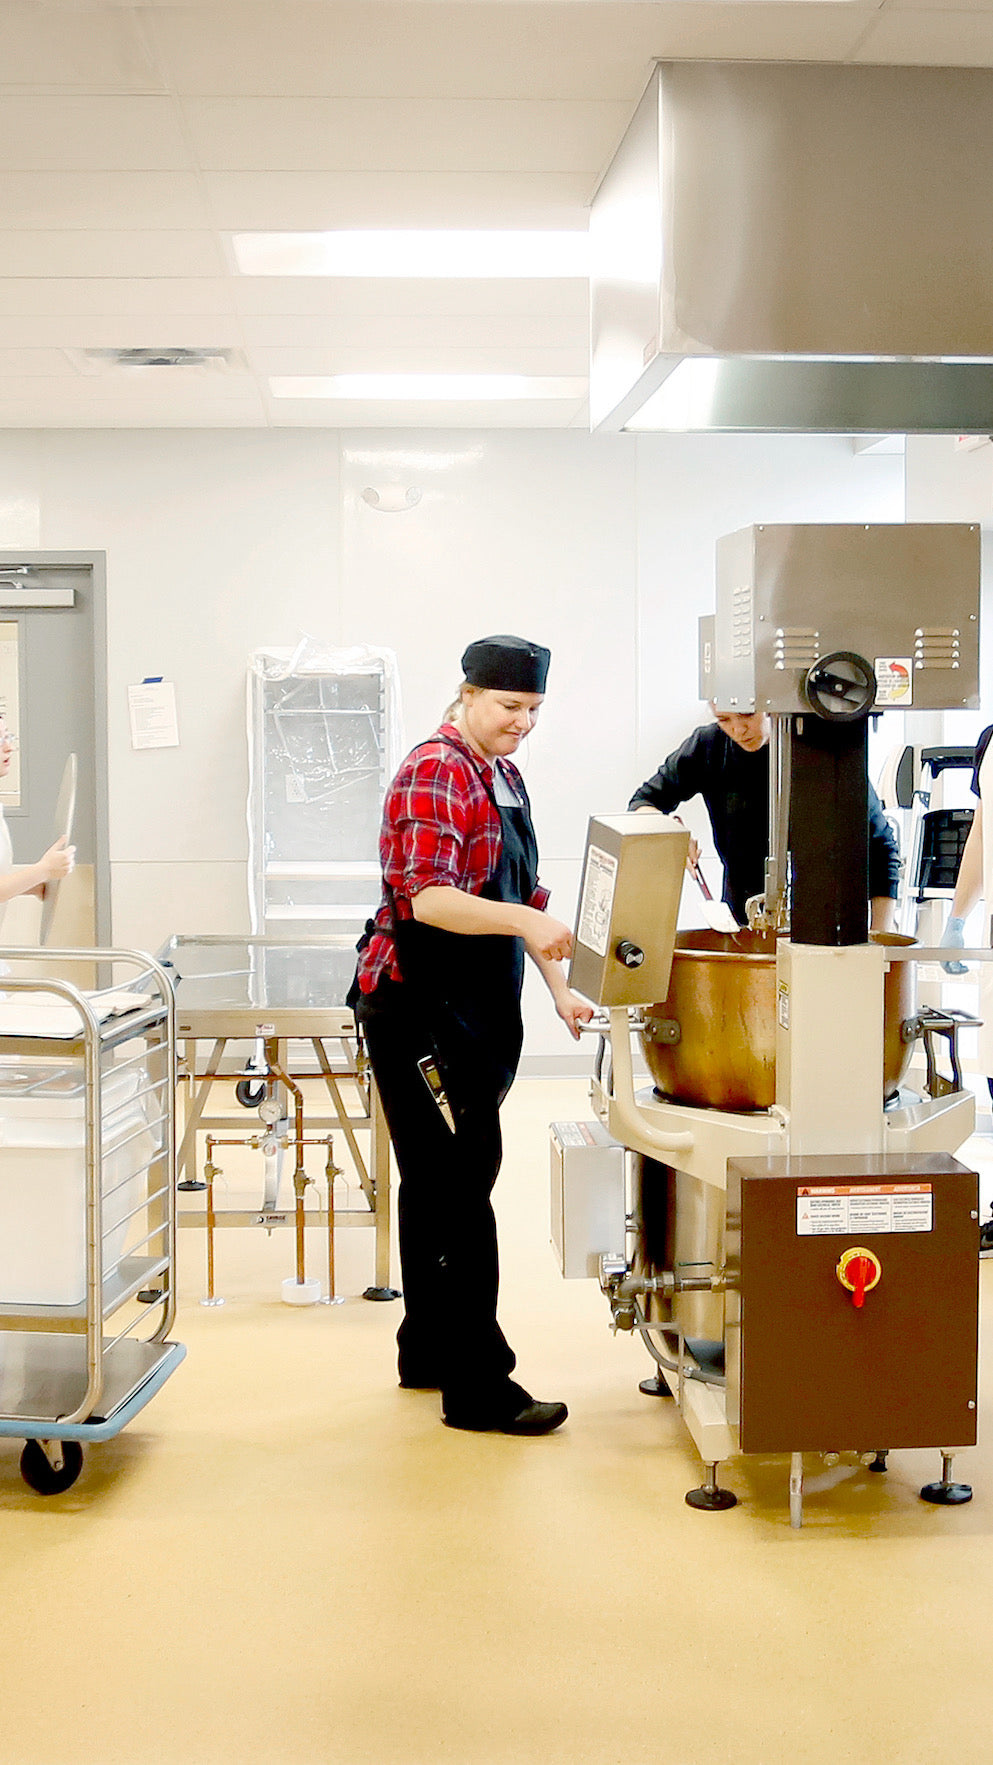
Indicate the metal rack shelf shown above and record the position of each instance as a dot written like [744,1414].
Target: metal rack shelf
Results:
[96,1214]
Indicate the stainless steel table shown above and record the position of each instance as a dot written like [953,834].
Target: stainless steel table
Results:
[274,992]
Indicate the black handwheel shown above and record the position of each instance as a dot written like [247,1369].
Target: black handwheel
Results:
[841,687]
[39,1474]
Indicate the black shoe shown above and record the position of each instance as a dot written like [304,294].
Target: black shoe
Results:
[515,1412]
[419,1378]
[986,1238]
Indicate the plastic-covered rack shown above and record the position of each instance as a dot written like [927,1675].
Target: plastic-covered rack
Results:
[324,741]
[87,1201]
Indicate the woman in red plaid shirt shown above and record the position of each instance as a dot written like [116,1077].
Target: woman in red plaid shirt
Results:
[439,988]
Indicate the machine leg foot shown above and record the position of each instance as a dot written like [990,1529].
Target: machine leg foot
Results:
[879,1462]
[190,1185]
[796,1490]
[946,1494]
[381,1293]
[709,1496]
[654,1387]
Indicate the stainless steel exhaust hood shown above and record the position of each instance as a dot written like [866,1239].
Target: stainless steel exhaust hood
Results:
[798,247]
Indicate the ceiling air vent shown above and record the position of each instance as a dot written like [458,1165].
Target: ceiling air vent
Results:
[157,361]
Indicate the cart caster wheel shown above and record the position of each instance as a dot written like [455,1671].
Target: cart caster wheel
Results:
[250,1092]
[381,1293]
[41,1476]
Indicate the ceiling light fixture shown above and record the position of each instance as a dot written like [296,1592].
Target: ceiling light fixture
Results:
[460,254]
[426,388]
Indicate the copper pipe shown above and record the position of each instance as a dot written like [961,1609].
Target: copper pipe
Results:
[208,1172]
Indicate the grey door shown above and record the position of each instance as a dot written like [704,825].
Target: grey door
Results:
[53,679]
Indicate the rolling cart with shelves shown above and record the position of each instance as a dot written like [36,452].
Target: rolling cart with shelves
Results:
[87,1197]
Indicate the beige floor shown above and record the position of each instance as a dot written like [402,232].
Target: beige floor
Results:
[286,1560]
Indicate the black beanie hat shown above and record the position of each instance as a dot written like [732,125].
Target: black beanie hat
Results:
[508,664]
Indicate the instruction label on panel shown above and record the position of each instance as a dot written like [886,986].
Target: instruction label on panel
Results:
[595,907]
[894,680]
[845,1207]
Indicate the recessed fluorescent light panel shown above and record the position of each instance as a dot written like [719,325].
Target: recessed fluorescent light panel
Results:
[426,388]
[431,254]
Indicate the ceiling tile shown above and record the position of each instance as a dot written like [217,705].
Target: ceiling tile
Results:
[98,49]
[931,39]
[929,6]
[408,330]
[311,201]
[601,49]
[30,363]
[105,201]
[306,294]
[437,356]
[92,134]
[108,296]
[111,254]
[314,134]
[162,330]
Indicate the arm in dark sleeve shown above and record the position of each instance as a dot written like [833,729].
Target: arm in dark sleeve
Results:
[884,853]
[978,758]
[679,778]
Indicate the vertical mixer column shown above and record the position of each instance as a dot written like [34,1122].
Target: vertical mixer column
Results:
[829,838]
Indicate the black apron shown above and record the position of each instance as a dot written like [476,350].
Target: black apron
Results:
[468,987]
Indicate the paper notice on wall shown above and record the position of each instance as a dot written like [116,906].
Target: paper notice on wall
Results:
[848,1208]
[598,899]
[152,710]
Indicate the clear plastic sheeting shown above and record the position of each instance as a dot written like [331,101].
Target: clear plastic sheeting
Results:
[324,738]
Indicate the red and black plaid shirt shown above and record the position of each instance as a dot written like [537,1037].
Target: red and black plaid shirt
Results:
[441,828]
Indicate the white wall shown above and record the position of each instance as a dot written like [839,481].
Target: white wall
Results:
[218,542]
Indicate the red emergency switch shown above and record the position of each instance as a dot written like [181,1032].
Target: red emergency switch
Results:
[859,1270]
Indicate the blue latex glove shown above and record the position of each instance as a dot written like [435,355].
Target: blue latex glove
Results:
[953,938]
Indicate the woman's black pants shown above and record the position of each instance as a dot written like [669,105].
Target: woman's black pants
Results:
[448,1245]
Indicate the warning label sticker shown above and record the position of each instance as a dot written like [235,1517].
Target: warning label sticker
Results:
[894,680]
[597,900]
[850,1207]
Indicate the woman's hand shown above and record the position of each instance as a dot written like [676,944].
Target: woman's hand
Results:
[57,862]
[545,938]
[573,1011]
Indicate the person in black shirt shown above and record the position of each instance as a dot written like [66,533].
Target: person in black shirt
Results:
[969,882]
[727,763]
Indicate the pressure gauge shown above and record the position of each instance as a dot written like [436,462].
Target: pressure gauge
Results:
[270,1110]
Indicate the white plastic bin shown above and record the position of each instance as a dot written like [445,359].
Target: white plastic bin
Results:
[43,1175]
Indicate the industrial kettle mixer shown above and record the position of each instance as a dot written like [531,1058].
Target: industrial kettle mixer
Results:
[802,1248]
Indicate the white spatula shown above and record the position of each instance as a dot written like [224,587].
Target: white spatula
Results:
[65,811]
[717,913]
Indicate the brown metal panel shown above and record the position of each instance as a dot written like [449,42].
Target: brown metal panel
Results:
[807,1369]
